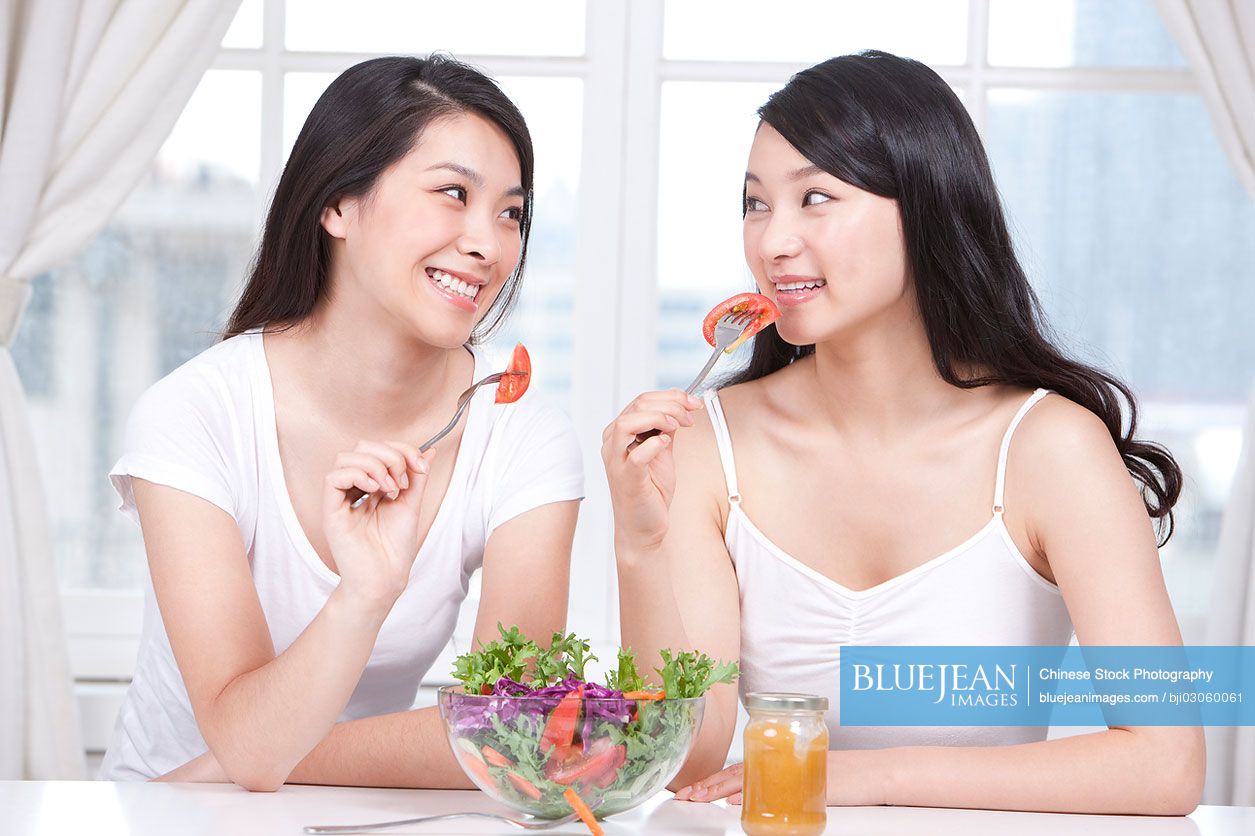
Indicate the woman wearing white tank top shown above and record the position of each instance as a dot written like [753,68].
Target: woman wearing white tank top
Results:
[891,470]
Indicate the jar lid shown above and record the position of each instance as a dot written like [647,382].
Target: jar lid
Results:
[772,701]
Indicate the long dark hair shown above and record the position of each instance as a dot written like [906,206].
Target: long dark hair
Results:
[368,118]
[893,127]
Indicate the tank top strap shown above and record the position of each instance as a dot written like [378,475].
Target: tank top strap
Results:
[724,440]
[1000,482]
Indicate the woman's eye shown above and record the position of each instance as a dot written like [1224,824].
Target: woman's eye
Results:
[455,192]
[753,204]
[514,213]
[815,198]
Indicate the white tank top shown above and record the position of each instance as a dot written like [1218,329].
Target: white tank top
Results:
[794,619]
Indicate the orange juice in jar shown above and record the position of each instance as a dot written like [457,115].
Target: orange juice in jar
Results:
[786,765]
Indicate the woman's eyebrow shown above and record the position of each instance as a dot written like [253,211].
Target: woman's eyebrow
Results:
[796,174]
[477,179]
[805,171]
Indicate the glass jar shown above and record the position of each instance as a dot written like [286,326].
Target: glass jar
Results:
[785,788]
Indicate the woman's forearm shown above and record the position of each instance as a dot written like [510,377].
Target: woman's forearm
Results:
[266,721]
[650,620]
[649,617]
[405,749]
[1143,771]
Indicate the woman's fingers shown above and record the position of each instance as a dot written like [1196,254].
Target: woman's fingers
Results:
[645,452]
[340,483]
[373,465]
[679,406]
[419,465]
[623,432]
[391,457]
[722,784]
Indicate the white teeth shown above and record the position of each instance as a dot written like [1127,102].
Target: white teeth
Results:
[454,285]
[786,286]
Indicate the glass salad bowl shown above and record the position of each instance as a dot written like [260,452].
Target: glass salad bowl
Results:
[532,750]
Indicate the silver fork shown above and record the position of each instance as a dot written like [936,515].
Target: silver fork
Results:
[728,328]
[357,497]
[537,824]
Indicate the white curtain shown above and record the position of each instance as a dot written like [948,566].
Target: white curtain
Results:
[1217,37]
[1231,750]
[90,90]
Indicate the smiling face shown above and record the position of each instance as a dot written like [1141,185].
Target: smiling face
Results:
[831,256]
[433,243]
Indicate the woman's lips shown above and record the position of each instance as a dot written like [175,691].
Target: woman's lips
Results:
[452,296]
[792,294]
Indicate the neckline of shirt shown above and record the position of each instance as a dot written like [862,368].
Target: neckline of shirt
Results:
[273,464]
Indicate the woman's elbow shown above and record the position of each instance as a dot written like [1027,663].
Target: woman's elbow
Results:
[256,780]
[1179,773]
[250,772]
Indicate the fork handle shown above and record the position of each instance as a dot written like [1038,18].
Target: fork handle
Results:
[641,438]
[357,496]
[324,830]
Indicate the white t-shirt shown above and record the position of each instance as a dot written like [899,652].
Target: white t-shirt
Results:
[208,429]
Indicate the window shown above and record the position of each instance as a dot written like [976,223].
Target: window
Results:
[1130,223]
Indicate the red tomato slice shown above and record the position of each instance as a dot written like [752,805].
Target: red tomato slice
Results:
[602,759]
[612,771]
[512,386]
[763,310]
[560,727]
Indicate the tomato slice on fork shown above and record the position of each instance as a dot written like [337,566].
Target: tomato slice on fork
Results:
[518,376]
[762,309]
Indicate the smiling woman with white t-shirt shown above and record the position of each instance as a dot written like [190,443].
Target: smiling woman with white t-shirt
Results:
[285,631]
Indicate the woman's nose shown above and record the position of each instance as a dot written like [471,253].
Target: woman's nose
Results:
[780,239]
[479,240]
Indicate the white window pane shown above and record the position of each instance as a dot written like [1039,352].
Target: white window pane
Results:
[245,30]
[542,318]
[492,27]
[932,31]
[700,259]
[1064,33]
[145,295]
[300,92]
[1137,236]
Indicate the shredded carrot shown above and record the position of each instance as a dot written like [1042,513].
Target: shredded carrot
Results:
[480,769]
[495,758]
[524,786]
[581,809]
[644,695]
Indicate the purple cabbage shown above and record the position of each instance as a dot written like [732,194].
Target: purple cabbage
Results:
[471,713]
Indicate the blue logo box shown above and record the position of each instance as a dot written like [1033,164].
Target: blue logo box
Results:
[1040,686]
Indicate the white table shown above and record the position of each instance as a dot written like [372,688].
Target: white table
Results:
[100,808]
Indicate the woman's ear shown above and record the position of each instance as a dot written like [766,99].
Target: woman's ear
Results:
[334,218]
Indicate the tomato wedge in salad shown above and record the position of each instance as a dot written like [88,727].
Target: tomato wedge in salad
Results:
[518,376]
[762,309]
[559,730]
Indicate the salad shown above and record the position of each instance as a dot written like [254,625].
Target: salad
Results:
[532,731]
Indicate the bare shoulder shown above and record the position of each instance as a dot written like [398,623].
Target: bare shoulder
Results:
[1060,434]
[696,451]
[764,401]
[1064,462]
